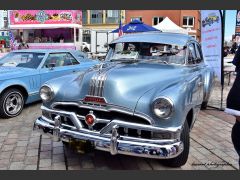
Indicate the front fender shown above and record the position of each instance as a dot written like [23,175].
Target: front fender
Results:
[59,83]
[13,82]
[181,98]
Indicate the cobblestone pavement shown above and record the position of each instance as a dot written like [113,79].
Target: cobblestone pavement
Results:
[21,148]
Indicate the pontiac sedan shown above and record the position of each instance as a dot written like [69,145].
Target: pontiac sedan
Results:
[143,101]
[23,72]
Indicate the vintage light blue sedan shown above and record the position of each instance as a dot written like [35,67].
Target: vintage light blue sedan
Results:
[142,101]
[23,72]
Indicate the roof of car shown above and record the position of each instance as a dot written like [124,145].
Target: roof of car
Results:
[75,52]
[44,50]
[156,37]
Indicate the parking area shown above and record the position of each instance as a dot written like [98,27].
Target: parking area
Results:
[22,148]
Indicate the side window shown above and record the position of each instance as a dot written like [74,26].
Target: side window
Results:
[199,53]
[191,54]
[59,59]
[72,59]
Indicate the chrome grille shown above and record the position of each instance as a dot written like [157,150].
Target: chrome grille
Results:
[102,114]
[105,117]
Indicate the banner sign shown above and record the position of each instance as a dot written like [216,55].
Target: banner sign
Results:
[237,29]
[211,40]
[45,17]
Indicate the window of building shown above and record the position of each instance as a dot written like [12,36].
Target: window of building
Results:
[96,16]
[157,20]
[87,36]
[112,16]
[188,21]
[84,16]
[77,35]
[136,18]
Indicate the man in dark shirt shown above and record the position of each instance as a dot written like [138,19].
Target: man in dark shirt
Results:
[234,47]
[236,60]
[233,104]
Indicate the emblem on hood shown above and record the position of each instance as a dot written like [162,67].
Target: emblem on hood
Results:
[95,99]
[90,118]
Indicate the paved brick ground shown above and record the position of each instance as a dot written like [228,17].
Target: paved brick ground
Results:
[21,148]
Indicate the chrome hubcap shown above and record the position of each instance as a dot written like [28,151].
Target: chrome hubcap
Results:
[13,103]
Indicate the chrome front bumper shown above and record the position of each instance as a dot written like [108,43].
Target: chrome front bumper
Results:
[112,142]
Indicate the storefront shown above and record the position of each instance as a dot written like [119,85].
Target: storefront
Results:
[47,29]
[4,39]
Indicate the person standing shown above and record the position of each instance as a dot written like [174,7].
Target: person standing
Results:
[233,104]
[234,47]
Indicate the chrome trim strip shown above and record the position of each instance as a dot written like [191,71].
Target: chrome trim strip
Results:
[115,144]
[108,135]
[107,108]
[33,93]
[109,126]
[120,123]
[97,120]
[73,116]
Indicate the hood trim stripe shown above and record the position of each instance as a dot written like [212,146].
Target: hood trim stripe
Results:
[98,79]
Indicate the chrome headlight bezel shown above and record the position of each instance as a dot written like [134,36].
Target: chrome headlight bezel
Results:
[163,99]
[49,93]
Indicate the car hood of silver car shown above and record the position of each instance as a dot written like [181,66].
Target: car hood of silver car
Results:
[121,84]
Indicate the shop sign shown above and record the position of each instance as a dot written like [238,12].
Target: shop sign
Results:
[45,17]
[211,40]
[237,29]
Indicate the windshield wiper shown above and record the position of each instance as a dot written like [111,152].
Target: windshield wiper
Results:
[157,60]
[124,60]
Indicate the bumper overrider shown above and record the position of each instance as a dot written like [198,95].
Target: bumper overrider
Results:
[108,139]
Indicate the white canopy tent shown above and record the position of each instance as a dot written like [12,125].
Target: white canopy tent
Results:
[168,26]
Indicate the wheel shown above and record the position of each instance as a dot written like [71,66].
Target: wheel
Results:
[204,105]
[183,157]
[11,103]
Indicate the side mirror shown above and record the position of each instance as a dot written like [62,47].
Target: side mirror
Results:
[51,66]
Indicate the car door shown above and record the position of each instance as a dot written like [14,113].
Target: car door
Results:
[195,71]
[58,64]
[201,69]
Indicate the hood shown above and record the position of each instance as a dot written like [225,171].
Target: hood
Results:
[122,84]
[13,72]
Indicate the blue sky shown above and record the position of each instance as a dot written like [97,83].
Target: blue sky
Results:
[230,23]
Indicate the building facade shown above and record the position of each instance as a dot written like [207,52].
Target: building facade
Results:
[187,19]
[100,20]
[4,33]
[3,19]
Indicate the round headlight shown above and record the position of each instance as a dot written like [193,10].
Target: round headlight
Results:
[46,93]
[163,107]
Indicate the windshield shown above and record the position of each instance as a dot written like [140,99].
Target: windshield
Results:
[22,59]
[133,51]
